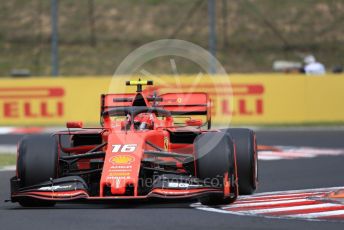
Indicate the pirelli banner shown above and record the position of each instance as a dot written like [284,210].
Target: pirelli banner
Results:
[237,99]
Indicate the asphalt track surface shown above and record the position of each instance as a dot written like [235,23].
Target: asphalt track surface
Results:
[320,172]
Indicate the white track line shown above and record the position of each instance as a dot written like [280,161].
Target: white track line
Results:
[269,158]
[257,201]
[293,208]
[283,193]
[267,203]
[290,153]
[12,149]
[8,168]
[277,196]
[318,214]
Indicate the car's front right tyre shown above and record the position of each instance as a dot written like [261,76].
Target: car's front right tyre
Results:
[37,162]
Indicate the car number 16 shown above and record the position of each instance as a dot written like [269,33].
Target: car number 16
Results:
[127,148]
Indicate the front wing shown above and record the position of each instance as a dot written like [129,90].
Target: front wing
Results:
[74,188]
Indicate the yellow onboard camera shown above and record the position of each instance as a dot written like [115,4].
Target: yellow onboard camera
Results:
[139,84]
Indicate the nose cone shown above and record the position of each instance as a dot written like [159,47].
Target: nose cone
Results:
[121,165]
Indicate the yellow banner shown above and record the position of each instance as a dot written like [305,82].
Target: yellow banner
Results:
[239,99]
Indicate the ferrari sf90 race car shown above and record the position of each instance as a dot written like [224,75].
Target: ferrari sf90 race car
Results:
[149,145]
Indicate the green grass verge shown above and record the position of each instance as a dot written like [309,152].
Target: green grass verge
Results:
[7,159]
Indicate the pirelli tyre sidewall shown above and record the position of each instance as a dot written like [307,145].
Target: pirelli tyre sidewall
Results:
[247,159]
[214,153]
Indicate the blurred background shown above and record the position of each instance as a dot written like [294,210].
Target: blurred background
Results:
[261,40]
[257,42]
[94,36]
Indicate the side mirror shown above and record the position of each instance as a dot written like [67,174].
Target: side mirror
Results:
[74,124]
[194,122]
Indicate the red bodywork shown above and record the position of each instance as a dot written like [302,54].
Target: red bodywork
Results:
[128,150]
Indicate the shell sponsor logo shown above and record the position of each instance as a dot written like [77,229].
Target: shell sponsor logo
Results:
[122,159]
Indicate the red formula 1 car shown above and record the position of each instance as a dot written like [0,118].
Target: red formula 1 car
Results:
[149,146]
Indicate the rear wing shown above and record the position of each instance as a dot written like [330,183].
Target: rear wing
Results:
[110,101]
[177,103]
[185,103]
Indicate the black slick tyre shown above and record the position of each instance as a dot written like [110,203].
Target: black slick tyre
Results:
[214,152]
[247,159]
[37,162]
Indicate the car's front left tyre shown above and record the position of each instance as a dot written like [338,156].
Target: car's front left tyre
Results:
[215,158]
